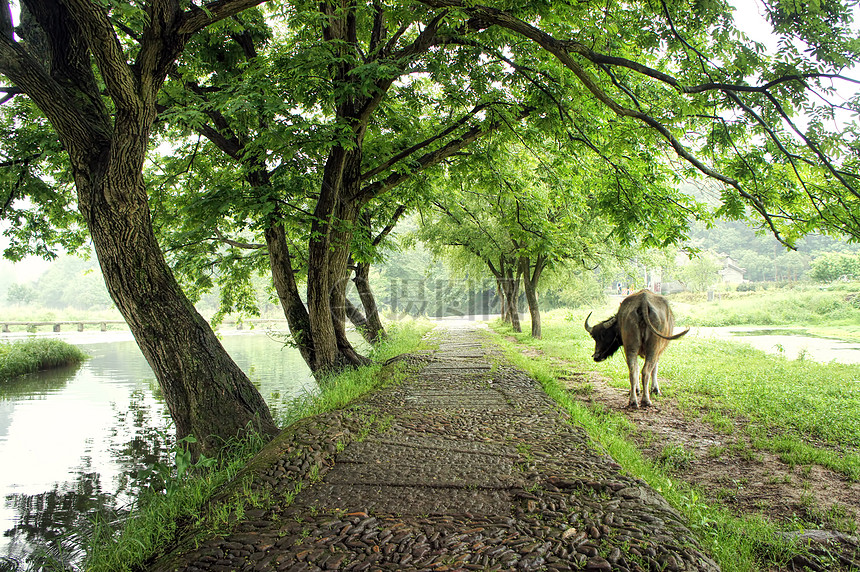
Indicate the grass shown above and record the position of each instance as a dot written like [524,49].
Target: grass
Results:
[836,310]
[184,495]
[804,411]
[29,356]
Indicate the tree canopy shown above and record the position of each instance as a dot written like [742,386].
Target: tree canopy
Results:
[280,124]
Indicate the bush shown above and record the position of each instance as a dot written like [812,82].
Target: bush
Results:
[19,358]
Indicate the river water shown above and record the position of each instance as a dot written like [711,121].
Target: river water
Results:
[788,342]
[70,439]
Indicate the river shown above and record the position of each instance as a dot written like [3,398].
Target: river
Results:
[71,439]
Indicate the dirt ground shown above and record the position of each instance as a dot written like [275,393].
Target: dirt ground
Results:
[729,472]
[745,480]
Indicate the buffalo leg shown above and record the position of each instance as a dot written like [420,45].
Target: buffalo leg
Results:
[655,388]
[647,377]
[632,357]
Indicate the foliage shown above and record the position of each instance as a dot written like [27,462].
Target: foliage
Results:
[760,254]
[701,273]
[28,356]
[20,294]
[835,266]
[573,287]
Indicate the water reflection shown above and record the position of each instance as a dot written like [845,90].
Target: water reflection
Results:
[72,442]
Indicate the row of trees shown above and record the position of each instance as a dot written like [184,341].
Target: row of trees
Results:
[293,135]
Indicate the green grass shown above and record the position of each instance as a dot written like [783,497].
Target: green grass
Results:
[806,306]
[744,544]
[184,497]
[29,356]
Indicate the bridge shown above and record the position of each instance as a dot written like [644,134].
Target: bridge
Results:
[102,325]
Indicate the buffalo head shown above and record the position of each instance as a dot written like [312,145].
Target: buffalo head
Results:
[607,337]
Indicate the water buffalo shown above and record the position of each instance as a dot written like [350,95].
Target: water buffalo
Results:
[643,325]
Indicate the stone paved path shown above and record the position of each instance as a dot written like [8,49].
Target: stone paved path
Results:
[467,465]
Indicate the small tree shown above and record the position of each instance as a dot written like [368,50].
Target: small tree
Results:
[833,266]
[701,273]
[20,294]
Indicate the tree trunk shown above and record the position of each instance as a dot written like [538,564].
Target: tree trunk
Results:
[339,263]
[207,394]
[284,279]
[511,288]
[503,301]
[331,233]
[530,282]
[375,330]
[319,275]
[357,318]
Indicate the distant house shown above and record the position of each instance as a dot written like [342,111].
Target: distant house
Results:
[731,272]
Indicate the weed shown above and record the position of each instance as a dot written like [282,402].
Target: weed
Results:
[716,451]
[721,422]
[675,458]
[525,450]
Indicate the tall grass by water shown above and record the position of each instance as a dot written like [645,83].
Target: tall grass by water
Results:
[29,356]
[185,489]
[804,306]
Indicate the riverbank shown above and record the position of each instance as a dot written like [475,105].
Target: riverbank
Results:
[29,356]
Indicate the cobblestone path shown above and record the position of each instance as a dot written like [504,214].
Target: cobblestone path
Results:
[467,465]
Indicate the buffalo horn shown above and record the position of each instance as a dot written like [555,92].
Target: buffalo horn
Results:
[587,327]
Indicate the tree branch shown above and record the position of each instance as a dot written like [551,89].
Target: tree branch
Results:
[418,146]
[107,52]
[432,158]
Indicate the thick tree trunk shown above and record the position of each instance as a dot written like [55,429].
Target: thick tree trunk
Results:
[339,264]
[284,279]
[207,394]
[331,233]
[375,332]
[357,318]
[319,275]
